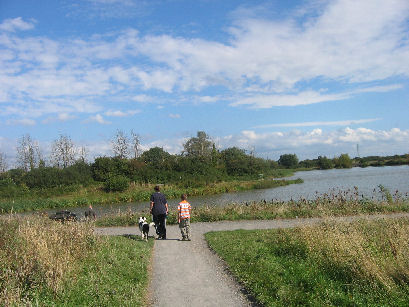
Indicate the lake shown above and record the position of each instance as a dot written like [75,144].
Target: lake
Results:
[367,180]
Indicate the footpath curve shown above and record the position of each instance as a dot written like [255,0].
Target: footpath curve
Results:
[190,274]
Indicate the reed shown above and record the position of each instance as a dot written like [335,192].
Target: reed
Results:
[333,203]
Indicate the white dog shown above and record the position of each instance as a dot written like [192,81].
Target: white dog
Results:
[144,227]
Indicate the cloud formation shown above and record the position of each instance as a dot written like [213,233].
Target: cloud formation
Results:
[269,63]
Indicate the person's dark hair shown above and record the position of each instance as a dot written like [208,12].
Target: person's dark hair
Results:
[157,188]
[183,196]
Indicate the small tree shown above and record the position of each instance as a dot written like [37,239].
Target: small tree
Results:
[63,153]
[325,163]
[343,161]
[200,146]
[120,145]
[28,153]
[135,144]
[3,163]
[288,160]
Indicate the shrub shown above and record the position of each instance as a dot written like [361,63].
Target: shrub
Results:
[116,184]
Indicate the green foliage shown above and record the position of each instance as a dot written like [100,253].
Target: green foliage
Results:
[105,167]
[325,163]
[200,146]
[156,157]
[362,264]
[288,160]
[343,161]
[116,184]
[117,275]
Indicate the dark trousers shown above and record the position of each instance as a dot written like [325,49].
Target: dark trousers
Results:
[160,222]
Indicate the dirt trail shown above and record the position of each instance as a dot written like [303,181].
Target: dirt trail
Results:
[190,274]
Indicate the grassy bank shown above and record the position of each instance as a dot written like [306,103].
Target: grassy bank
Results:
[53,264]
[336,264]
[95,195]
[333,204]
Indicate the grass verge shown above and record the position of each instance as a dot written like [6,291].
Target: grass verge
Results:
[52,264]
[335,264]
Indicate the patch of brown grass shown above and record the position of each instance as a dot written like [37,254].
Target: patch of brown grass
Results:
[372,250]
[36,253]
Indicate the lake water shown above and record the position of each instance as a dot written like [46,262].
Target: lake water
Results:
[367,180]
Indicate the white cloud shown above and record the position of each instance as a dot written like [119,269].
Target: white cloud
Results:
[98,118]
[171,115]
[23,122]
[328,123]
[142,98]
[311,144]
[61,117]
[265,101]
[265,61]
[15,24]
[119,113]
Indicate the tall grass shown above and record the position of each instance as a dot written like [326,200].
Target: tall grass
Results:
[362,263]
[47,263]
[36,253]
[333,203]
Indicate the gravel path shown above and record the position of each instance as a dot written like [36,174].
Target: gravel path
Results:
[190,274]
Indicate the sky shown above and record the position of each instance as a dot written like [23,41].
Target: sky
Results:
[319,77]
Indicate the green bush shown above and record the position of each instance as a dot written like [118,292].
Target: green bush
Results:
[116,184]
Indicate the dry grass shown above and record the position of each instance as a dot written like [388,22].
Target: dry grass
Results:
[374,251]
[37,253]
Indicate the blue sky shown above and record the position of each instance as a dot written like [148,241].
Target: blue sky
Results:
[306,77]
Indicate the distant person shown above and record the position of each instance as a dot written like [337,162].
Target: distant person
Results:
[184,212]
[90,213]
[159,210]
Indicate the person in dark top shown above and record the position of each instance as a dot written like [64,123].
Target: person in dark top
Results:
[159,211]
[90,213]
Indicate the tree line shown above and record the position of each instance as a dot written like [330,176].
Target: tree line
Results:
[198,164]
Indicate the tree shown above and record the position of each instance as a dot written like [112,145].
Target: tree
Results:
[155,156]
[135,144]
[324,163]
[343,161]
[3,163]
[28,153]
[120,145]
[83,152]
[236,161]
[288,160]
[63,153]
[200,146]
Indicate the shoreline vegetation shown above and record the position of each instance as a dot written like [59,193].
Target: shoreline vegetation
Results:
[95,195]
[334,203]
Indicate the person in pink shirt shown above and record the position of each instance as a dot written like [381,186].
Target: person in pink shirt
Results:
[184,211]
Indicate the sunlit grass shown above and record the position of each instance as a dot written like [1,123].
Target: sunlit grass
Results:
[334,203]
[335,264]
[53,264]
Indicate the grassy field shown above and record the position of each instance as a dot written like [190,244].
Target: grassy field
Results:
[335,264]
[80,196]
[52,264]
[339,203]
